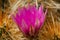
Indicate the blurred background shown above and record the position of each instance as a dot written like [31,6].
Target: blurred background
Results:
[10,31]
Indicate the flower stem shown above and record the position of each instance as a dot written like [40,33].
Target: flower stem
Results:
[33,39]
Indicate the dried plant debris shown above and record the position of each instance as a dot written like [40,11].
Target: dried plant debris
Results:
[57,1]
[4,34]
[4,4]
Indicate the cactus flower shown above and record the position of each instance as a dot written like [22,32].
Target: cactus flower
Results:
[30,19]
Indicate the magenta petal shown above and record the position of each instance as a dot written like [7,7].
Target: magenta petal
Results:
[30,18]
[32,12]
[40,18]
[43,18]
[15,19]
[24,27]
[39,15]
[41,12]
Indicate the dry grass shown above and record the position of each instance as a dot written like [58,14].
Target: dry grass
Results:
[49,31]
